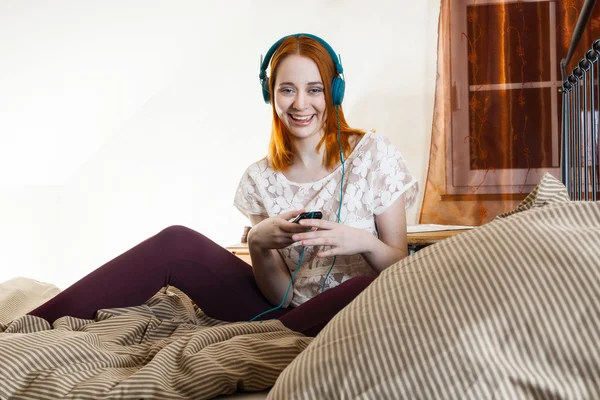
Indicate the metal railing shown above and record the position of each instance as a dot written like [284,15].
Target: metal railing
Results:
[581,95]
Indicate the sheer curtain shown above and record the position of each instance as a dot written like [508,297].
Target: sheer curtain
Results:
[496,124]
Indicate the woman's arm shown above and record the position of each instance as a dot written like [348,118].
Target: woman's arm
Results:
[266,236]
[380,253]
[392,243]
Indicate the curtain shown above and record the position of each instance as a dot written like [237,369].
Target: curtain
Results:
[496,121]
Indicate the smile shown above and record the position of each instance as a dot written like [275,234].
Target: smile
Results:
[301,120]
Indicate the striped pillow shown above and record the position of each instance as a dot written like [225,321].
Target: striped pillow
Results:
[509,310]
[549,190]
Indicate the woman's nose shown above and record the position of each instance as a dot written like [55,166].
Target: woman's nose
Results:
[300,101]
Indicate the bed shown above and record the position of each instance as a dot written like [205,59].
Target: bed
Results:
[506,310]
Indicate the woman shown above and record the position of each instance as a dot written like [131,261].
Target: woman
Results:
[316,162]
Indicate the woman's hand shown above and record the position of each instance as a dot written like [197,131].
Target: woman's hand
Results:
[344,240]
[380,252]
[275,232]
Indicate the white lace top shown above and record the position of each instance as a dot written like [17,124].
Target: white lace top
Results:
[375,176]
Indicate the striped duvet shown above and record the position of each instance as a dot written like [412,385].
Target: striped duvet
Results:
[510,310]
[164,349]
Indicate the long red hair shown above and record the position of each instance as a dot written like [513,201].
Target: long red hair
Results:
[280,145]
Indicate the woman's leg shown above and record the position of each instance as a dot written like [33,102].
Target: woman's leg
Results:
[220,283]
[309,318]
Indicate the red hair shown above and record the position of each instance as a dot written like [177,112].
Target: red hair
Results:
[280,145]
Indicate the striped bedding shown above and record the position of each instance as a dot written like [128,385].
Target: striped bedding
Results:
[164,349]
[510,310]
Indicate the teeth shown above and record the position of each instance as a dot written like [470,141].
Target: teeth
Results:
[301,118]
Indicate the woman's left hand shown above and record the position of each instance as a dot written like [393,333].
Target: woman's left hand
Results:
[343,239]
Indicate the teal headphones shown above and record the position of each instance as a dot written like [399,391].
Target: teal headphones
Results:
[338,85]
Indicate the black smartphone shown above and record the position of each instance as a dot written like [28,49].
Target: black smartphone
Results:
[308,215]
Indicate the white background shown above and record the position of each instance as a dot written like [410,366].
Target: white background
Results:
[120,118]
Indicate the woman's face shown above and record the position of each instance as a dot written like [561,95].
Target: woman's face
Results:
[299,97]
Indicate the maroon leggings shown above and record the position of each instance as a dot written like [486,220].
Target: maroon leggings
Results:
[220,283]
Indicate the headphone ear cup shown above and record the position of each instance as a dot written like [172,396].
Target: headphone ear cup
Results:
[338,87]
[265,90]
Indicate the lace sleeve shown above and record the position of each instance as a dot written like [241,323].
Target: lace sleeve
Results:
[391,177]
[247,198]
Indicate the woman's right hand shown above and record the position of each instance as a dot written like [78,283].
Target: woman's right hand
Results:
[275,232]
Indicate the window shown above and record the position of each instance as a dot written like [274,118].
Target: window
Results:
[505,101]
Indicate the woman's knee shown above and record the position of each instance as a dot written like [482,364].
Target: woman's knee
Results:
[177,231]
[178,239]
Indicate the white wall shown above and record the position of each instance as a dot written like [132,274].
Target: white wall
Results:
[119,118]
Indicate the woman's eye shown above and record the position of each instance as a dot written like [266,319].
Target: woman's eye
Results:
[316,90]
[286,90]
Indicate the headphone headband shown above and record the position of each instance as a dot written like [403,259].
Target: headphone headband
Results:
[267,58]
[338,84]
